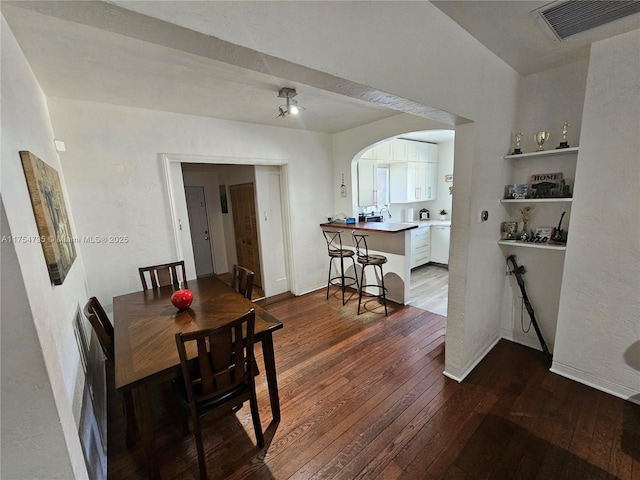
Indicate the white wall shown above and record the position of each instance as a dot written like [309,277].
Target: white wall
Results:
[548,99]
[29,414]
[26,126]
[117,183]
[598,320]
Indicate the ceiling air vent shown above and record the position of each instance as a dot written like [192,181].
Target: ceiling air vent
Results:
[566,18]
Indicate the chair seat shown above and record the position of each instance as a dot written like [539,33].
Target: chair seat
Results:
[367,259]
[203,407]
[372,259]
[336,251]
[341,253]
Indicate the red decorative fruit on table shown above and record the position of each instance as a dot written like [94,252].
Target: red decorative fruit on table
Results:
[182,299]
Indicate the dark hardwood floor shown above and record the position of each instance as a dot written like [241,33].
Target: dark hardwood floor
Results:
[364,397]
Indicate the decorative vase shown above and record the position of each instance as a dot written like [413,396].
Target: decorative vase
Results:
[182,299]
[443,217]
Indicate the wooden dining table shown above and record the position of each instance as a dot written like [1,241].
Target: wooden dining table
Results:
[145,325]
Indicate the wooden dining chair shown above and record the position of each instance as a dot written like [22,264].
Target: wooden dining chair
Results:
[242,281]
[101,324]
[221,378]
[162,275]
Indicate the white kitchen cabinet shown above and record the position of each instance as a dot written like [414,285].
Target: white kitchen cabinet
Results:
[373,182]
[420,246]
[440,236]
[430,152]
[409,151]
[414,180]
[413,174]
[431,182]
[367,182]
[402,177]
[384,151]
[370,154]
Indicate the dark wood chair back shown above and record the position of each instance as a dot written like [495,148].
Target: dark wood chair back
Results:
[221,376]
[242,281]
[162,275]
[101,325]
[104,331]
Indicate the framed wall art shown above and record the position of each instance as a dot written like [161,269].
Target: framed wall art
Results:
[51,217]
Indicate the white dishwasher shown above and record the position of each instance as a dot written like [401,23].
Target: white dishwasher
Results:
[440,235]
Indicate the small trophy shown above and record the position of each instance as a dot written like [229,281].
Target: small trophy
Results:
[563,143]
[517,150]
[540,138]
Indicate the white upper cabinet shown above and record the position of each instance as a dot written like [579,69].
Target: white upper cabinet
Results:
[430,152]
[414,179]
[370,154]
[384,152]
[367,185]
[413,182]
[431,181]
[413,172]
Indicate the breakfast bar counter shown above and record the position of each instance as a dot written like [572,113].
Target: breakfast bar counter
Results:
[393,240]
[381,227]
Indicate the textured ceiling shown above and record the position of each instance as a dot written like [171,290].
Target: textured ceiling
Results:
[102,52]
[509,30]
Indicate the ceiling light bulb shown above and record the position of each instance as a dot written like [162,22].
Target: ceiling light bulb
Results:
[293,110]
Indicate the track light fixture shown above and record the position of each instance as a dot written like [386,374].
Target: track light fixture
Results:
[291,106]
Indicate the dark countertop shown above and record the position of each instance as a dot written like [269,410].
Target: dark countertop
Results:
[380,227]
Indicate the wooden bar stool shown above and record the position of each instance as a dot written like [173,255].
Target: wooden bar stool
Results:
[366,259]
[335,249]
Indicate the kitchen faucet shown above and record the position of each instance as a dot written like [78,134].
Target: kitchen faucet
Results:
[387,209]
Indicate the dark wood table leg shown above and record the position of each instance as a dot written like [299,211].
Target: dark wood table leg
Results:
[130,417]
[272,381]
[144,416]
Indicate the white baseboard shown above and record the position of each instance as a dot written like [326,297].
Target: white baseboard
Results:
[596,382]
[474,362]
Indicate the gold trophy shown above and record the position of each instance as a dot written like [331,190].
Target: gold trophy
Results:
[540,138]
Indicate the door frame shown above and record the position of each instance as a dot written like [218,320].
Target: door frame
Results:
[171,165]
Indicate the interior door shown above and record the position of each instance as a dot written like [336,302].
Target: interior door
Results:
[243,205]
[271,230]
[199,225]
